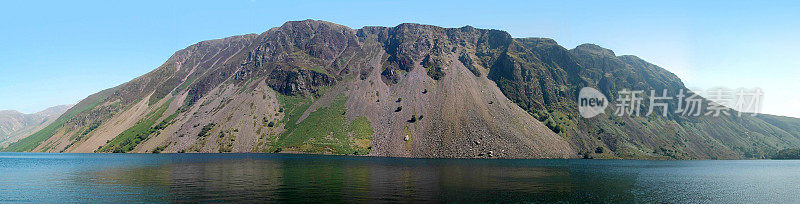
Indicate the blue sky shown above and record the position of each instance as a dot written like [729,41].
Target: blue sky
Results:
[59,52]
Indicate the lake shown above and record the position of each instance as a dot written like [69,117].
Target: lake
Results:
[39,177]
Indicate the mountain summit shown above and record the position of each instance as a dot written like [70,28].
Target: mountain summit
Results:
[408,91]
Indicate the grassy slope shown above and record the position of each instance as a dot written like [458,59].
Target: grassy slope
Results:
[788,124]
[133,136]
[324,130]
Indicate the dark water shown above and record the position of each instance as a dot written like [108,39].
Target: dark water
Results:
[32,177]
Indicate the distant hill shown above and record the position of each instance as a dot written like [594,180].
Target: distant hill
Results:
[408,91]
[15,125]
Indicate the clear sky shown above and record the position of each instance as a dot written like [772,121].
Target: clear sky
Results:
[59,52]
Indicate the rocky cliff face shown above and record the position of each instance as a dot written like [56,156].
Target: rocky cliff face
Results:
[296,82]
[409,91]
[544,79]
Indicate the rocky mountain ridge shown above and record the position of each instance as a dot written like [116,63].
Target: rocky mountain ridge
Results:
[408,91]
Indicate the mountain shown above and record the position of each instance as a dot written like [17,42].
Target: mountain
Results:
[408,91]
[15,125]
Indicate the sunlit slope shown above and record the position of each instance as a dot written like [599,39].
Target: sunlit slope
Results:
[409,91]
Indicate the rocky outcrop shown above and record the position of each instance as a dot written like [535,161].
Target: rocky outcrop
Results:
[297,82]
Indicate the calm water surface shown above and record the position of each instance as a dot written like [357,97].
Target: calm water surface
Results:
[35,177]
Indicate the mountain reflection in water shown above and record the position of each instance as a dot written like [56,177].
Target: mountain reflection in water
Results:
[31,177]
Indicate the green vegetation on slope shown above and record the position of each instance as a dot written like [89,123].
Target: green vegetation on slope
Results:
[466,60]
[166,86]
[31,142]
[788,154]
[185,84]
[130,138]
[292,107]
[324,130]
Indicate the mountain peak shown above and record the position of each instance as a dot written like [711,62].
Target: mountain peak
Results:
[54,110]
[319,87]
[594,49]
[8,111]
[543,41]
[313,24]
